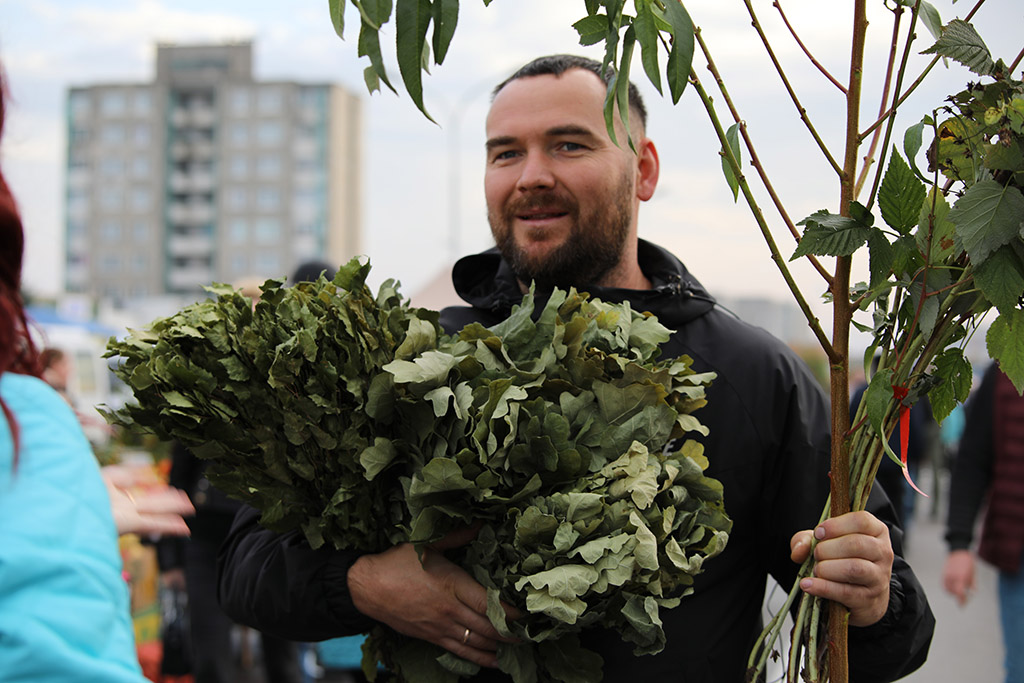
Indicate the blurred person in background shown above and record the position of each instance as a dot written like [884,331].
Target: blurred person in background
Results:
[989,465]
[64,611]
[56,368]
[190,565]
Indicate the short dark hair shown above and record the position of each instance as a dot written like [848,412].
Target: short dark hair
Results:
[556,65]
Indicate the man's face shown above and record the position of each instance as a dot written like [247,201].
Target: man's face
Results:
[561,197]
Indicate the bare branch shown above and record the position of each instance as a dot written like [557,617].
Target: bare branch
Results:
[755,161]
[780,261]
[917,82]
[815,62]
[1016,61]
[789,88]
[893,45]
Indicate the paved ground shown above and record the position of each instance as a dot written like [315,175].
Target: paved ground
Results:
[968,644]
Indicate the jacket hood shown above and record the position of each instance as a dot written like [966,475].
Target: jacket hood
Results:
[486,282]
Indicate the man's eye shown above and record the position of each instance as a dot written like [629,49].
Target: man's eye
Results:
[503,156]
[572,146]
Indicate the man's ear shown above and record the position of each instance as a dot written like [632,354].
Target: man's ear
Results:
[648,168]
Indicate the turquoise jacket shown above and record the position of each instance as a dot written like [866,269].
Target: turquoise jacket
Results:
[64,611]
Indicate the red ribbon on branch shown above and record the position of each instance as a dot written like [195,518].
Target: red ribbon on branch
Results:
[900,393]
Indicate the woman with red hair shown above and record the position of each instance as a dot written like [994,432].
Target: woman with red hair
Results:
[64,611]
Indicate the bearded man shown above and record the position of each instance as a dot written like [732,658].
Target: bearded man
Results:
[563,202]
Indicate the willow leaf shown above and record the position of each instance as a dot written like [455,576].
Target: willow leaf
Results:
[412,19]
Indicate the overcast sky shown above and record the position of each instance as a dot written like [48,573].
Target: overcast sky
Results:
[424,198]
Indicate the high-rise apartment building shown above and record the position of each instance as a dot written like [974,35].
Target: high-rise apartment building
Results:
[205,174]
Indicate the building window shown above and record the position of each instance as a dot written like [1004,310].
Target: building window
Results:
[76,230]
[238,167]
[268,166]
[110,231]
[113,103]
[142,103]
[140,264]
[269,133]
[268,231]
[239,264]
[111,198]
[268,263]
[238,134]
[142,134]
[237,198]
[140,167]
[270,101]
[140,198]
[112,166]
[238,230]
[239,101]
[140,231]
[268,199]
[112,133]
[79,104]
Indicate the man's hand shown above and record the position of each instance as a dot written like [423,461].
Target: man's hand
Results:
[958,575]
[435,600]
[854,563]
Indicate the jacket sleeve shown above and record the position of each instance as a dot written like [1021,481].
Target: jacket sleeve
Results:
[898,644]
[972,468]
[276,583]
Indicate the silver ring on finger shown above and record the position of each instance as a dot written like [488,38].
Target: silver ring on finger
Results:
[465,636]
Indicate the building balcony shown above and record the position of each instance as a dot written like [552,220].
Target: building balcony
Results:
[189,277]
[184,246]
[185,183]
[190,213]
[193,117]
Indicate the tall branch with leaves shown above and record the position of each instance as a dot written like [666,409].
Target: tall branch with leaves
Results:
[947,255]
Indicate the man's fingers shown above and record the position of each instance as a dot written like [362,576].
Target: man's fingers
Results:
[860,522]
[800,546]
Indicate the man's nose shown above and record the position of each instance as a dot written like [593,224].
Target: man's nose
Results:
[535,173]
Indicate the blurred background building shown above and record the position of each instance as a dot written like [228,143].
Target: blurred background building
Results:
[204,174]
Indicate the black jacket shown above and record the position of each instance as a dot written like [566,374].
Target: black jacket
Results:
[768,445]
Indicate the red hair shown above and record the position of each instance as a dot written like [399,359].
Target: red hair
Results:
[17,352]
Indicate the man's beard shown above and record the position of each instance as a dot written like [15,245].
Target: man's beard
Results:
[590,252]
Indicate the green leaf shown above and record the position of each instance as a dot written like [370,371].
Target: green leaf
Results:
[881,257]
[900,195]
[369,46]
[647,36]
[337,9]
[912,140]
[987,216]
[733,137]
[446,17]
[961,43]
[934,226]
[680,56]
[412,19]
[377,457]
[1004,341]
[622,81]
[1001,277]
[592,29]
[376,12]
[955,373]
[931,19]
[876,400]
[829,234]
